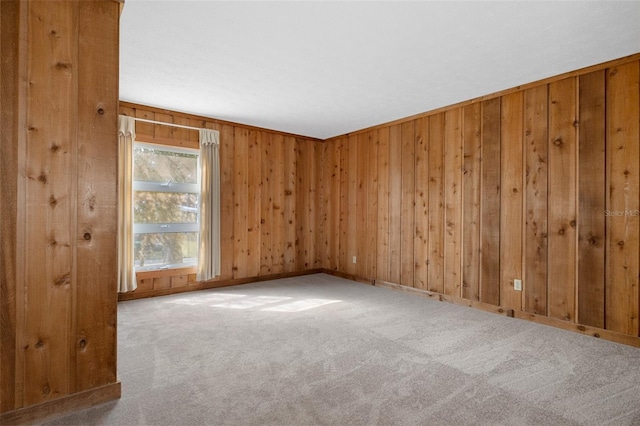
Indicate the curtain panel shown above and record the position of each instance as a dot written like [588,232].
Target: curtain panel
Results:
[209,253]
[126,269]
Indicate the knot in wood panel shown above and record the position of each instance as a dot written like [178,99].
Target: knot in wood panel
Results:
[63,65]
[63,279]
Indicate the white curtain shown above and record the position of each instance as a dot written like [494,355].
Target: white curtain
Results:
[209,257]
[126,269]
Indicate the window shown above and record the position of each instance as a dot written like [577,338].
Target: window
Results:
[166,191]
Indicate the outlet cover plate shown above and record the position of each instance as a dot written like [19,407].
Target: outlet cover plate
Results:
[517,285]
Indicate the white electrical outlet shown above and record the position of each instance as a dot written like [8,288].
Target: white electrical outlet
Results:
[354,259]
[517,285]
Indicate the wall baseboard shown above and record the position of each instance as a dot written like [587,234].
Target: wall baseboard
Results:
[611,336]
[62,406]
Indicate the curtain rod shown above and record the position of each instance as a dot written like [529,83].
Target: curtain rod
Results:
[182,126]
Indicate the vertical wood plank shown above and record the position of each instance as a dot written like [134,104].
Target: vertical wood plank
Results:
[312,260]
[344,203]
[227,195]
[453,203]
[395,201]
[382,245]
[290,167]
[591,199]
[421,241]
[179,133]
[144,128]
[50,278]
[352,204]
[95,325]
[241,197]
[490,202]
[254,161]
[276,161]
[408,209]
[622,105]
[436,203]
[372,206]
[511,199]
[334,212]
[160,130]
[266,204]
[302,205]
[322,184]
[472,119]
[535,139]
[12,144]
[362,192]
[562,199]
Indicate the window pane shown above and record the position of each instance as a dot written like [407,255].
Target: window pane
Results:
[165,207]
[157,165]
[154,251]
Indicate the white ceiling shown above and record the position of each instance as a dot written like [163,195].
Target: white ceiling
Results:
[323,69]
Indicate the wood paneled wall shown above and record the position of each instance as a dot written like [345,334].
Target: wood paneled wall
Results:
[268,198]
[539,183]
[59,91]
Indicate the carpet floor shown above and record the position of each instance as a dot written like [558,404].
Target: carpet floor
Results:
[320,350]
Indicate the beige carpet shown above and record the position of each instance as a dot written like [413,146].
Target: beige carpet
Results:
[323,350]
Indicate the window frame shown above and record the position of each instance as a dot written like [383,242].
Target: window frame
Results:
[165,228]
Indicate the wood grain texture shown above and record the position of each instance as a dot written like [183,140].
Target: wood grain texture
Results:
[312,260]
[511,199]
[227,201]
[623,117]
[395,202]
[334,202]
[362,199]
[407,219]
[436,204]
[241,198]
[254,196]
[472,173]
[58,164]
[563,199]
[421,240]
[345,152]
[96,206]
[536,171]
[51,168]
[490,203]
[352,201]
[278,224]
[453,203]
[591,200]
[266,204]
[383,237]
[290,191]
[11,145]
[323,183]
[372,207]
